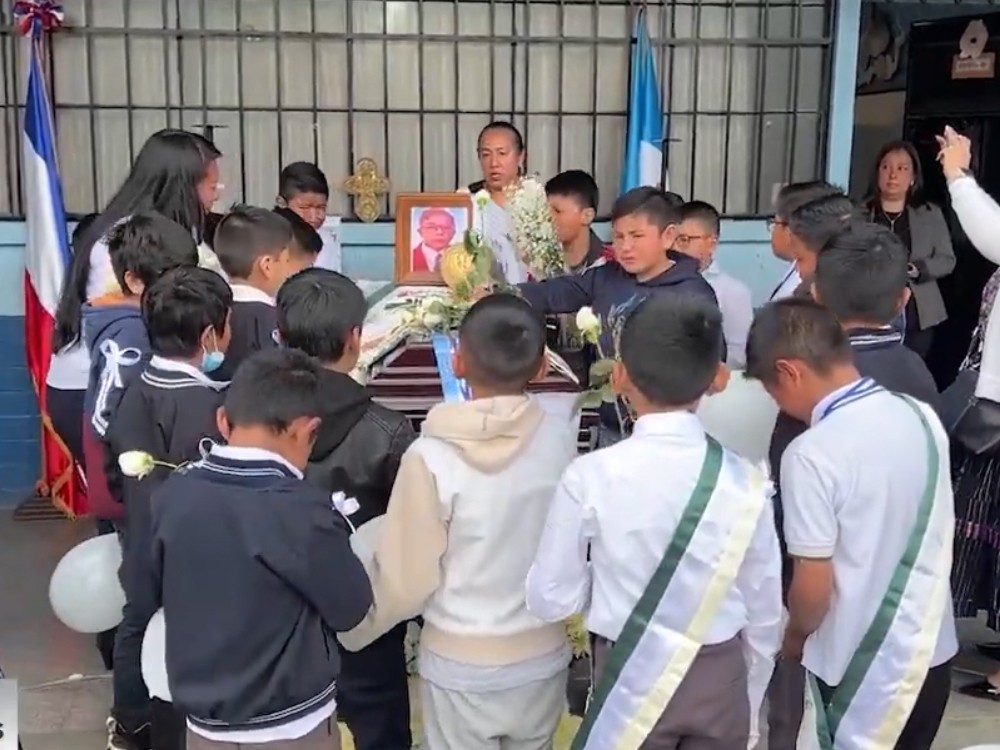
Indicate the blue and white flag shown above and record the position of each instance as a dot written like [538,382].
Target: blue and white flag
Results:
[644,142]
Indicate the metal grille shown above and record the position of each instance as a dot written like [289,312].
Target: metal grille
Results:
[410,83]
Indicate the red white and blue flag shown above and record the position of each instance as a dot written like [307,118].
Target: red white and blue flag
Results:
[46,263]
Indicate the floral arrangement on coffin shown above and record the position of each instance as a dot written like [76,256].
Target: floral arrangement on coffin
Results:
[535,235]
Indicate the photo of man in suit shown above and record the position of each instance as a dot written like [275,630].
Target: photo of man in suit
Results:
[433,230]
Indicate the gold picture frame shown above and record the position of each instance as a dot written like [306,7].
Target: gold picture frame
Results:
[426,224]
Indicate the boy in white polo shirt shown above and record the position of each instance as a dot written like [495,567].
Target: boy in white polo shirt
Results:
[681,591]
[869,522]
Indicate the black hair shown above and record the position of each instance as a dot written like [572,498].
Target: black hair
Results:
[147,245]
[819,221]
[164,178]
[652,203]
[670,346]
[674,199]
[302,177]
[247,233]
[914,194]
[317,310]
[180,305]
[502,339]
[795,328]
[504,125]
[861,274]
[575,184]
[82,226]
[702,212]
[796,194]
[307,239]
[289,378]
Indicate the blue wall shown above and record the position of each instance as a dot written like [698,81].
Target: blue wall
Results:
[367,252]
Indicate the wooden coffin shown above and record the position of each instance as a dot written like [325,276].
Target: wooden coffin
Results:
[407,380]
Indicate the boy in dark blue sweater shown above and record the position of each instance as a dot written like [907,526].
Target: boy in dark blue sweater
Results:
[644,229]
[165,413]
[142,249]
[254,571]
[258,251]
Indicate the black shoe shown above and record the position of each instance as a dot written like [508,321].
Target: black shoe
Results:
[989,650]
[123,737]
[982,689]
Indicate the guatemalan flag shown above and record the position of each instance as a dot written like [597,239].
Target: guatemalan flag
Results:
[644,142]
[47,258]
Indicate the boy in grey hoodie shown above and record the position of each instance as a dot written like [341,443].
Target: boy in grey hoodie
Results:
[463,522]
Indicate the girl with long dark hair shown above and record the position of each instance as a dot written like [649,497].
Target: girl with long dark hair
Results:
[896,201]
[177,174]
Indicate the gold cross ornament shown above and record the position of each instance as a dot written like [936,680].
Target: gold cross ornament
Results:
[366,186]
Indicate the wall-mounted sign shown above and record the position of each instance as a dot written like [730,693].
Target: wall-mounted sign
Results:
[972,61]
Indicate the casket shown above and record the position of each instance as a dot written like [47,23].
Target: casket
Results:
[401,370]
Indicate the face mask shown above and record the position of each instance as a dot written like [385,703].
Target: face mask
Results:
[212,361]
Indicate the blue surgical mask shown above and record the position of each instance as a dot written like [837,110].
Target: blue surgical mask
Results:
[212,361]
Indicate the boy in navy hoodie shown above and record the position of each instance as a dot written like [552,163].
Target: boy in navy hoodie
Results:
[644,225]
[258,251]
[165,413]
[358,449]
[256,584]
[142,249]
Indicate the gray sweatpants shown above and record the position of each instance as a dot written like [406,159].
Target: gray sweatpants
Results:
[522,718]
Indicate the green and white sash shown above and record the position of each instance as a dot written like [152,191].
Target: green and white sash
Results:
[872,703]
[651,658]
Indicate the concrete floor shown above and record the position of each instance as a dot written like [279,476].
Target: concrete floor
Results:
[37,650]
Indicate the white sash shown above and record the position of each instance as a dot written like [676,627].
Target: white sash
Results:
[870,707]
[650,659]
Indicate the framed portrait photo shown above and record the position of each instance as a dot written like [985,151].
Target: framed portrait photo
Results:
[426,225]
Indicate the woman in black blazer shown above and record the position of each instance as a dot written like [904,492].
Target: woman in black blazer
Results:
[896,201]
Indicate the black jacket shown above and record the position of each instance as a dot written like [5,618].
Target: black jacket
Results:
[359,446]
[255,574]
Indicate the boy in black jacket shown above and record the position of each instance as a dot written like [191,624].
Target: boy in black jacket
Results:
[357,452]
[254,571]
[861,277]
[164,414]
[258,251]
[644,229]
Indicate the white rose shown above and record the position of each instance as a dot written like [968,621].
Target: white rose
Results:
[431,320]
[136,464]
[481,199]
[588,323]
[346,505]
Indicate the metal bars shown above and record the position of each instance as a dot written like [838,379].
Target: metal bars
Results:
[410,83]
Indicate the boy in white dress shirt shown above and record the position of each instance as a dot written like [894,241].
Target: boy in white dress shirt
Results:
[870,603]
[676,588]
[698,236]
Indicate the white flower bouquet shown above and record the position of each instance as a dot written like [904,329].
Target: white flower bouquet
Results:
[535,236]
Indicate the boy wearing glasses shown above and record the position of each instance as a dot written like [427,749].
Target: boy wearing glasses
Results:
[698,237]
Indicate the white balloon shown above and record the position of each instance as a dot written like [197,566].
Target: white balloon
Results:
[154,658]
[741,417]
[84,590]
[364,540]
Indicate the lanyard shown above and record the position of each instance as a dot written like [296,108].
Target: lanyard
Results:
[783,281]
[862,389]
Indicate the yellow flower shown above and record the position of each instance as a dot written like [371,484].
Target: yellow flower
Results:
[136,464]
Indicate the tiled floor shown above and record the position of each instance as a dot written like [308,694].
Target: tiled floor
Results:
[37,650]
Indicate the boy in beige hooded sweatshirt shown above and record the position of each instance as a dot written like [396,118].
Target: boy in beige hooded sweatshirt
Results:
[459,536]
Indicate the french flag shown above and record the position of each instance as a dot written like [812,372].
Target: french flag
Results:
[46,263]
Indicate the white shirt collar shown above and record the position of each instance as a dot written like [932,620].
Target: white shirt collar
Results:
[162,363]
[712,269]
[682,424]
[247,293]
[820,409]
[252,454]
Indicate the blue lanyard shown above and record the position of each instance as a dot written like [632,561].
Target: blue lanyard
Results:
[862,389]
